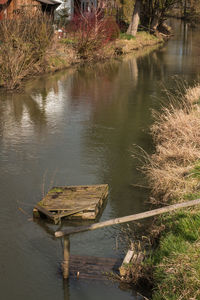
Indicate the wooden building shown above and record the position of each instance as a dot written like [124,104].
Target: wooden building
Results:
[11,8]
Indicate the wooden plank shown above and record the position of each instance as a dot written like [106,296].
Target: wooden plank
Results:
[70,208]
[45,212]
[74,201]
[55,207]
[129,218]
[69,213]
[127,259]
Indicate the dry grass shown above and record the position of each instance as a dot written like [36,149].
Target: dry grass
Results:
[174,175]
[142,40]
[173,171]
[176,134]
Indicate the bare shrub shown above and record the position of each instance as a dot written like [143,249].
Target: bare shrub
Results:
[24,42]
[91,32]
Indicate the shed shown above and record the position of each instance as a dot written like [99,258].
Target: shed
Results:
[10,8]
[76,6]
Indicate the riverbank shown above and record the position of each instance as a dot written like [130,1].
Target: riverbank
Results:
[64,55]
[60,53]
[174,176]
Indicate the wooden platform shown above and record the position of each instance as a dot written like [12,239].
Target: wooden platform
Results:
[74,202]
[96,268]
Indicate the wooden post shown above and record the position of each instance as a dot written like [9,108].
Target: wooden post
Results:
[130,218]
[66,257]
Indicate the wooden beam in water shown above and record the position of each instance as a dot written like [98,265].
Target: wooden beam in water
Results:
[66,257]
[129,218]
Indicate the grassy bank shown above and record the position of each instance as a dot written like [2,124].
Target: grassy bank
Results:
[29,46]
[174,176]
[67,53]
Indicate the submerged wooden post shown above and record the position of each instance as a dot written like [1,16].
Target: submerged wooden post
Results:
[66,257]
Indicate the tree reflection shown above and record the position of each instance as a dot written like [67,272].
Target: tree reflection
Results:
[34,106]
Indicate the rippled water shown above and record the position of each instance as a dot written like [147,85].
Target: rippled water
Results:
[79,127]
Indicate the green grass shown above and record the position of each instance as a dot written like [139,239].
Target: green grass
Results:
[195,172]
[176,261]
[125,36]
[191,196]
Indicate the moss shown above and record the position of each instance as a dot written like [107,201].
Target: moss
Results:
[56,190]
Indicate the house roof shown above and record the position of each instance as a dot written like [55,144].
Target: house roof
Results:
[48,2]
[3,2]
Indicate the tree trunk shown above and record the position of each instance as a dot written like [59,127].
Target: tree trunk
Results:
[185,8]
[155,22]
[133,27]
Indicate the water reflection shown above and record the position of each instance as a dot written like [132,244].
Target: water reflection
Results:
[84,124]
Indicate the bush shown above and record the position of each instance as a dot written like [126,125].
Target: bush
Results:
[24,42]
[91,33]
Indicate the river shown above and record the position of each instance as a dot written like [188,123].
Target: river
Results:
[79,127]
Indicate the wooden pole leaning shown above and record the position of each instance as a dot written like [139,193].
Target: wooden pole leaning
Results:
[126,219]
[66,248]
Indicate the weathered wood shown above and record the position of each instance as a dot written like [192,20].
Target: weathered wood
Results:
[83,202]
[129,218]
[127,259]
[71,212]
[45,211]
[66,249]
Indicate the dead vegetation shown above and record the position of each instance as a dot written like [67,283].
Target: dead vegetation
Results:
[29,45]
[173,171]
[176,134]
[24,44]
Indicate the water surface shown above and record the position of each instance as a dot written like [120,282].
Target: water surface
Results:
[79,127]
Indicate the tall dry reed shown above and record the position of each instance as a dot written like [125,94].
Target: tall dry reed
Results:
[176,135]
